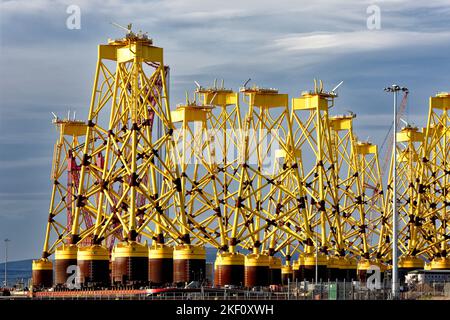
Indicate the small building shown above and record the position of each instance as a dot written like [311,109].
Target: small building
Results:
[427,276]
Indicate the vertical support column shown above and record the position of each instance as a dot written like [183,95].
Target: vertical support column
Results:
[395,284]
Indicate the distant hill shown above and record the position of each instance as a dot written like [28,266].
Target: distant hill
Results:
[24,265]
[17,270]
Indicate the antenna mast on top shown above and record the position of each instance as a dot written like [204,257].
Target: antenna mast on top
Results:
[127,29]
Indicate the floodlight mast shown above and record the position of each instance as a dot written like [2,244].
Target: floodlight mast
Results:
[394,89]
[6,262]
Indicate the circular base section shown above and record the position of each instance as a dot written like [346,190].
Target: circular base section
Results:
[440,264]
[286,274]
[407,264]
[298,269]
[334,269]
[362,268]
[349,269]
[42,273]
[93,263]
[256,270]
[365,267]
[274,271]
[65,263]
[216,274]
[160,265]
[310,267]
[229,269]
[130,264]
[189,264]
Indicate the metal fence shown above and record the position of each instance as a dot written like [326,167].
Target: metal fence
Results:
[331,290]
[295,291]
[434,290]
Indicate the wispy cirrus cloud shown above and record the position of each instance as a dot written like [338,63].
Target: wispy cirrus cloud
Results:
[356,41]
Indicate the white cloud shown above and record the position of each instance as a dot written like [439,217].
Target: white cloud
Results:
[22,6]
[347,42]
[202,11]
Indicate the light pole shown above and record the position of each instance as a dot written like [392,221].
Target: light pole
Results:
[317,254]
[394,89]
[6,261]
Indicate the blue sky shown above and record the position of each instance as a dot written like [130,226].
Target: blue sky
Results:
[45,67]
